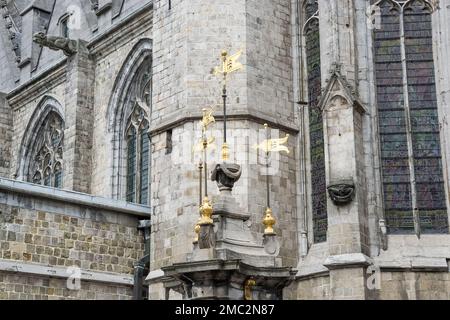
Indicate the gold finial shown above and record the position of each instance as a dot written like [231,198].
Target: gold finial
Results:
[206,211]
[225,152]
[269,221]
[249,283]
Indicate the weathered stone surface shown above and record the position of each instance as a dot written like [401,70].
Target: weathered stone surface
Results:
[184,43]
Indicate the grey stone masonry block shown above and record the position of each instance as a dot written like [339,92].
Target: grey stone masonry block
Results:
[6,127]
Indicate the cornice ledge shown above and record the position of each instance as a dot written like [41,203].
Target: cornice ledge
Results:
[26,90]
[348,260]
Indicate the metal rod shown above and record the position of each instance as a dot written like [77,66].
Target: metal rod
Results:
[206,172]
[267,166]
[200,167]
[205,146]
[412,174]
[224,96]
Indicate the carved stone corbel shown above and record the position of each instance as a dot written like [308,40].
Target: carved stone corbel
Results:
[342,193]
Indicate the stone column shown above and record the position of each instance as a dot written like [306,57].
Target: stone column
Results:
[344,153]
[79,121]
[347,207]
[5,136]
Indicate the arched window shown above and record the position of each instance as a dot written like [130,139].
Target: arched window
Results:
[129,111]
[46,163]
[316,139]
[413,182]
[137,135]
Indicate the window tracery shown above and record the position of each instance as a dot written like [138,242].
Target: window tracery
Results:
[46,167]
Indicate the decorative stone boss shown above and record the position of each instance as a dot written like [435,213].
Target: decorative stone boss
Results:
[226,175]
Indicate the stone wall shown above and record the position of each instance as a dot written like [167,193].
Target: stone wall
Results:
[63,240]
[315,288]
[24,102]
[24,287]
[408,285]
[5,136]
[45,231]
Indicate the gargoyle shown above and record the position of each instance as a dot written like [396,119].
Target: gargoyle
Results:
[69,47]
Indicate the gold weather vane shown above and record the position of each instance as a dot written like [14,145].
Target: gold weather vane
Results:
[274,145]
[208,117]
[229,65]
[268,146]
[206,121]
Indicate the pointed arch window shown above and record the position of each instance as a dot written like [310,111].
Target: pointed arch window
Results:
[46,165]
[129,111]
[311,35]
[411,161]
[138,156]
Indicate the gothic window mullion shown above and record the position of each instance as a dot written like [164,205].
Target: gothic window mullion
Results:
[138,165]
[408,125]
[144,165]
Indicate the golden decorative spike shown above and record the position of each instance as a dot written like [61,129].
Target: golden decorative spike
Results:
[225,152]
[269,221]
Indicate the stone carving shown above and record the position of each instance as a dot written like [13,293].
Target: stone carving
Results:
[13,24]
[206,237]
[94,5]
[226,175]
[342,194]
[68,46]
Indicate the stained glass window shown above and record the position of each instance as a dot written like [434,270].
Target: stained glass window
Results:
[414,191]
[145,155]
[138,156]
[47,154]
[131,165]
[318,194]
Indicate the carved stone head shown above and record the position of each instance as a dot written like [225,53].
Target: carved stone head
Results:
[39,37]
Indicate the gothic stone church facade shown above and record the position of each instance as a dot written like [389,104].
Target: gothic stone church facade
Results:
[99,98]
